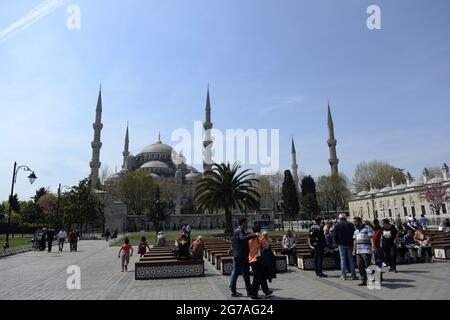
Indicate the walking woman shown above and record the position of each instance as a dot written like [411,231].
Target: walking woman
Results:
[256,245]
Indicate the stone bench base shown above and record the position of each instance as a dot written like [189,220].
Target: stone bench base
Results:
[226,265]
[307,263]
[145,270]
[442,253]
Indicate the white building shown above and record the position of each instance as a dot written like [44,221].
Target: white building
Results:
[402,200]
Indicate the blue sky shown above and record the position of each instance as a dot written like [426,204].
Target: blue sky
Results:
[270,64]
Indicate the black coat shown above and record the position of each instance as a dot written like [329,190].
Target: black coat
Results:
[269,264]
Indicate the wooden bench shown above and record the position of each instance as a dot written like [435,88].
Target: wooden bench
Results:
[166,269]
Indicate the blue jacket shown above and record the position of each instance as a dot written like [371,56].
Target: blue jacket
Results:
[240,243]
[343,233]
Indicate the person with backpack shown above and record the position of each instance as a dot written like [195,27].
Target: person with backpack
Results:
[317,243]
[142,248]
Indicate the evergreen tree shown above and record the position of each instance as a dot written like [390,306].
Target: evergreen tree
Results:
[310,207]
[308,185]
[15,204]
[291,204]
[309,198]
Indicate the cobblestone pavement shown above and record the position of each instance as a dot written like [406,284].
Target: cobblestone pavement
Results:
[42,275]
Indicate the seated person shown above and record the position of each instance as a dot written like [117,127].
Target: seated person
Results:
[160,240]
[289,245]
[412,246]
[182,248]
[197,248]
[424,244]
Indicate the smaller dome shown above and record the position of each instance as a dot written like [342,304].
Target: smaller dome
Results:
[193,176]
[362,193]
[154,164]
[386,189]
[192,169]
[154,175]
[115,177]
[436,180]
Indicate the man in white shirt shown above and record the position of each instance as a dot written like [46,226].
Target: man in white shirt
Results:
[62,235]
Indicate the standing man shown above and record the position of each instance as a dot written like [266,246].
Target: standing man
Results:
[389,244]
[344,231]
[62,235]
[363,247]
[50,236]
[240,258]
[317,243]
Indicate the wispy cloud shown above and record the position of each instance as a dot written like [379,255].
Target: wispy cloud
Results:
[36,14]
[283,102]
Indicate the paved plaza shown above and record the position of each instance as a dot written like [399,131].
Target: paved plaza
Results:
[42,275]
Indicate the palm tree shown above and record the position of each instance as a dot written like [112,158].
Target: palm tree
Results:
[224,187]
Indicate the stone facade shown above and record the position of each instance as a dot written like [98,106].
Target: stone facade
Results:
[402,200]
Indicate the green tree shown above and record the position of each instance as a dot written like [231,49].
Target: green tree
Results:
[15,203]
[333,192]
[224,187]
[291,205]
[310,206]
[80,206]
[137,190]
[308,185]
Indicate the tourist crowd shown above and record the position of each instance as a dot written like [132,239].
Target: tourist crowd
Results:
[364,243]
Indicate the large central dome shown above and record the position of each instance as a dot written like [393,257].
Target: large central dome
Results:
[158,147]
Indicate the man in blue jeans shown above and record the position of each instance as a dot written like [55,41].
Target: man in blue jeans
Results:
[240,258]
[344,231]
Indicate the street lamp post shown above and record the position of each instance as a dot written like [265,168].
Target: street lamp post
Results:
[32,177]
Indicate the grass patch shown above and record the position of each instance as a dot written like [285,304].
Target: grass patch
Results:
[17,241]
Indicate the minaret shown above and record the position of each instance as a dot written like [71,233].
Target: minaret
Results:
[207,143]
[334,161]
[126,151]
[96,144]
[294,165]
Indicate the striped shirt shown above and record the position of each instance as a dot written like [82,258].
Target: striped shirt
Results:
[362,237]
